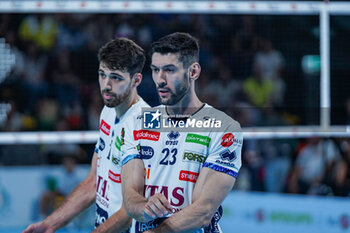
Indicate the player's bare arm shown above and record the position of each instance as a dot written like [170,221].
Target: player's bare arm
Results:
[137,206]
[210,190]
[117,223]
[81,198]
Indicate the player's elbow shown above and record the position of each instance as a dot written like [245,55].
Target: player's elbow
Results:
[205,216]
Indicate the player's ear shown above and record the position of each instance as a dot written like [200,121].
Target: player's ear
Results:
[194,71]
[136,79]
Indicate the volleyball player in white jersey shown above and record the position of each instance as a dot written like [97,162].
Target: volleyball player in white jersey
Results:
[121,62]
[189,171]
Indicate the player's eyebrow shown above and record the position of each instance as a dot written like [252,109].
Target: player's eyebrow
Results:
[112,74]
[163,67]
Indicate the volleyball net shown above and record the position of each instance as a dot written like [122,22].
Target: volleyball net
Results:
[307,34]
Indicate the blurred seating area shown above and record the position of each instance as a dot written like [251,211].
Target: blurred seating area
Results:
[251,69]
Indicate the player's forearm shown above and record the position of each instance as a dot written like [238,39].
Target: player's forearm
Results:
[189,219]
[134,204]
[77,201]
[117,223]
[133,184]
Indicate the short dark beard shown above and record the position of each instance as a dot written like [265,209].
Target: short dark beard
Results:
[118,99]
[181,91]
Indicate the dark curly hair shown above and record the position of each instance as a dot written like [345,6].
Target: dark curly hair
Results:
[183,44]
[122,54]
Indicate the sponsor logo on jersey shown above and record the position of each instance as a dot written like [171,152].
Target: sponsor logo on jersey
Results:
[114,177]
[199,139]
[151,119]
[102,191]
[146,226]
[193,157]
[172,136]
[105,128]
[102,145]
[227,140]
[176,197]
[101,215]
[146,134]
[147,152]
[230,164]
[188,176]
[115,159]
[228,155]
[119,142]
[147,171]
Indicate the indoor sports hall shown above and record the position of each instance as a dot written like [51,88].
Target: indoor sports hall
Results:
[280,68]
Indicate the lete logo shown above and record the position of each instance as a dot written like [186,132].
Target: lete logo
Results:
[228,155]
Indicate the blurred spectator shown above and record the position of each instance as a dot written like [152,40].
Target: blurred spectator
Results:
[277,157]
[243,46]
[70,34]
[34,83]
[48,114]
[271,63]
[51,199]
[312,163]
[40,29]
[254,163]
[70,177]
[66,84]
[258,89]
[341,179]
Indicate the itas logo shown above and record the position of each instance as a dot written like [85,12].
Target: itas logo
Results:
[172,136]
[188,176]
[151,120]
[114,177]
[228,155]
[146,134]
[105,128]
[176,195]
[147,152]
[102,187]
[193,157]
[227,140]
[147,171]
[101,145]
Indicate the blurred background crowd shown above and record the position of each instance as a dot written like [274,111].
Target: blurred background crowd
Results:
[251,69]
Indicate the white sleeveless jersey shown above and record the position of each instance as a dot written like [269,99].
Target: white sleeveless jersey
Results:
[108,181]
[173,160]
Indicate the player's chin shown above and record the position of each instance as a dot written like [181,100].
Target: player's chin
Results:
[111,104]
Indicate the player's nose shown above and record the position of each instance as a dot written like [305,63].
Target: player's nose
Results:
[161,79]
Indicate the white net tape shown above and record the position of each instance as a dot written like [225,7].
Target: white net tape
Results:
[223,7]
[86,137]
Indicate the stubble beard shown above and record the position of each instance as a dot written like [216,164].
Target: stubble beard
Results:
[178,94]
[117,99]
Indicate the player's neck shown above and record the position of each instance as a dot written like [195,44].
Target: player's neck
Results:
[188,105]
[122,108]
